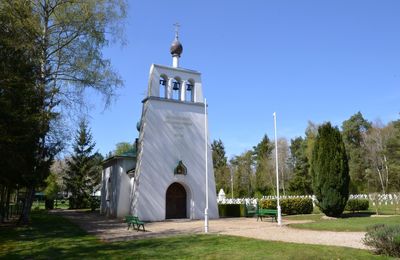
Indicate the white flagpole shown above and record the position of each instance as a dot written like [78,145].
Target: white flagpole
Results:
[277,174]
[206,156]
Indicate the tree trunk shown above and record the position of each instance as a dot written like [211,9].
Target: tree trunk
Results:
[26,208]
[283,182]
[2,202]
[16,212]
[387,172]
[7,209]
[381,180]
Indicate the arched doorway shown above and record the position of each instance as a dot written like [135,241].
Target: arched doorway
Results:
[175,201]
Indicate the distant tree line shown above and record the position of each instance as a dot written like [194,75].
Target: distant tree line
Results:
[372,150]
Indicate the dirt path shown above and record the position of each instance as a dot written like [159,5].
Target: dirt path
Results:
[116,230]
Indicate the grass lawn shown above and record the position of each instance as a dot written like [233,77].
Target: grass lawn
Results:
[313,217]
[385,209]
[350,222]
[347,223]
[52,237]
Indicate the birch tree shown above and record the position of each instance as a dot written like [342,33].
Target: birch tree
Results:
[283,160]
[375,142]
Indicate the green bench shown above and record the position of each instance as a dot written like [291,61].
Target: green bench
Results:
[134,222]
[273,213]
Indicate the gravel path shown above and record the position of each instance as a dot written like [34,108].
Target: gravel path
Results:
[116,230]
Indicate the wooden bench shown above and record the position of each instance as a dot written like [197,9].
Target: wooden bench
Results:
[273,213]
[134,222]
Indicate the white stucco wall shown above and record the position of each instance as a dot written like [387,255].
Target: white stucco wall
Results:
[103,199]
[115,200]
[173,131]
[124,187]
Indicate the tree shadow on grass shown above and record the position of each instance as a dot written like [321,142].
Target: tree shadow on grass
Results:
[87,246]
[44,226]
[357,214]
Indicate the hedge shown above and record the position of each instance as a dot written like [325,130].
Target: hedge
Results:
[357,205]
[231,210]
[290,206]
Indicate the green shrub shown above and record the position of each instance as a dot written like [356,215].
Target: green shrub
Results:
[384,239]
[290,206]
[231,210]
[267,204]
[297,206]
[357,205]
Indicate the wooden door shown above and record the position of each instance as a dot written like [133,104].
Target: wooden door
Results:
[175,201]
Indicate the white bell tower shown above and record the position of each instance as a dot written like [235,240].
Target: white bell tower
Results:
[169,180]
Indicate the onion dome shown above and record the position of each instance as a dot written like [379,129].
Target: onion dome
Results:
[176,48]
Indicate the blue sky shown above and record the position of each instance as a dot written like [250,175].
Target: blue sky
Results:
[306,60]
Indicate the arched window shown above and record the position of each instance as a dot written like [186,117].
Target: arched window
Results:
[163,86]
[176,88]
[189,95]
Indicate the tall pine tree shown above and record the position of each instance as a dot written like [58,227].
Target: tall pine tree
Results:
[353,130]
[330,171]
[243,175]
[20,106]
[262,154]
[82,175]
[221,170]
[393,151]
[301,182]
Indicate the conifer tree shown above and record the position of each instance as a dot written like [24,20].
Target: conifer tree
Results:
[262,155]
[330,171]
[243,175]
[221,170]
[20,104]
[353,131]
[393,151]
[301,182]
[82,175]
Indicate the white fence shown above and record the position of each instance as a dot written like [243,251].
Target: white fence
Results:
[374,198]
[380,199]
[254,201]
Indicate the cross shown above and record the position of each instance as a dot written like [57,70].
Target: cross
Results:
[177,25]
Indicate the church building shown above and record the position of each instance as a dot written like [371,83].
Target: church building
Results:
[164,176]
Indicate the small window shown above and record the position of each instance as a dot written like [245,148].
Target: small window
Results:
[180,169]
